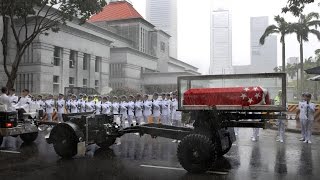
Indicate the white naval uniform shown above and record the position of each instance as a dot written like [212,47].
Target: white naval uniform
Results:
[130,106]
[170,111]
[302,124]
[60,109]
[147,105]
[13,99]
[40,104]
[49,104]
[165,105]
[138,111]
[307,111]
[98,107]
[5,100]
[105,108]
[176,115]
[115,111]
[81,105]
[90,106]
[68,107]
[74,106]
[23,103]
[123,112]
[156,110]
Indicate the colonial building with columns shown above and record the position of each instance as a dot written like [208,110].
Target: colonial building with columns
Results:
[115,48]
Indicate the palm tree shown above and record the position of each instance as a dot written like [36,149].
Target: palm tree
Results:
[283,28]
[303,28]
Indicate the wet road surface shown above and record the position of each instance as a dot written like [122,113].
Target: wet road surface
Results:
[146,158]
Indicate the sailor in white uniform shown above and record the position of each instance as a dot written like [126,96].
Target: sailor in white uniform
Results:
[5,100]
[307,115]
[123,110]
[74,104]
[147,108]
[165,107]
[131,110]
[138,105]
[90,105]
[49,105]
[60,107]
[156,108]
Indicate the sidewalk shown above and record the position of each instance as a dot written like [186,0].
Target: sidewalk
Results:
[294,126]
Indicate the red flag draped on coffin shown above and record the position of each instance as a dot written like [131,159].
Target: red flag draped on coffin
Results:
[244,96]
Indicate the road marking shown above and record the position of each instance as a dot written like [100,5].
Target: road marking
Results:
[7,151]
[217,172]
[162,167]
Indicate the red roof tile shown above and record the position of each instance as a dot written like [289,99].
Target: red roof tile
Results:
[116,11]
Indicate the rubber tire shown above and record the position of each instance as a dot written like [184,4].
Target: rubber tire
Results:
[1,139]
[196,143]
[29,137]
[65,143]
[109,142]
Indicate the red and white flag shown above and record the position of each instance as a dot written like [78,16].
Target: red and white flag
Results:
[244,96]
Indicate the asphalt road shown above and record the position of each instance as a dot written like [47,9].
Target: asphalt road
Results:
[146,158]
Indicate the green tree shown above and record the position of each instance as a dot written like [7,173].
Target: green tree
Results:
[283,28]
[302,29]
[29,18]
[296,6]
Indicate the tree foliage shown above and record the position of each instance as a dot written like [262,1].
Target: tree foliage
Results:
[29,18]
[306,25]
[283,28]
[296,6]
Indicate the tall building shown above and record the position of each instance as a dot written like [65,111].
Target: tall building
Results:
[263,57]
[221,42]
[163,14]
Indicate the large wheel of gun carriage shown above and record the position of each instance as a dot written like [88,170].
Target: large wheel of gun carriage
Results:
[29,137]
[196,153]
[64,141]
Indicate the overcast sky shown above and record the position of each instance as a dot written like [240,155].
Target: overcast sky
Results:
[194,28]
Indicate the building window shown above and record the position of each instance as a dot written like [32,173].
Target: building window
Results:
[85,83]
[96,84]
[162,46]
[73,58]
[56,84]
[71,81]
[56,79]
[57,56]
[97,64]
[86,60]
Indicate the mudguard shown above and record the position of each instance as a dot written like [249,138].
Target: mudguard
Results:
[67,125]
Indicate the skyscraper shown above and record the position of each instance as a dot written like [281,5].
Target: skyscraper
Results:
[221,42]
[263,57]
[163,14]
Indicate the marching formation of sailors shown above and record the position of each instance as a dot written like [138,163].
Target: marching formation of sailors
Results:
[135,110]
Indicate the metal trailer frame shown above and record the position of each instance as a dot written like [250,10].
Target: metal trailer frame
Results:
[212,134]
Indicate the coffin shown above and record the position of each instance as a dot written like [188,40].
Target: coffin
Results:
[244,96]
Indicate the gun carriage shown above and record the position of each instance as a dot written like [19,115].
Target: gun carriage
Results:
[216,104]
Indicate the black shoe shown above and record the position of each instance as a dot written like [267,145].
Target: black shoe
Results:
[137,124]
[131,124]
